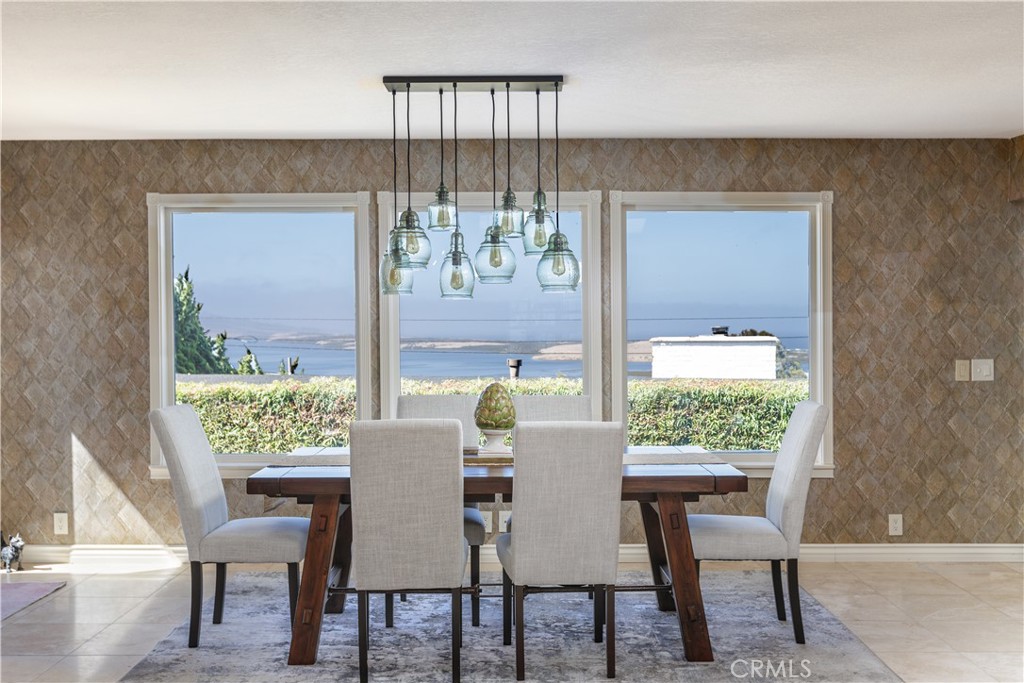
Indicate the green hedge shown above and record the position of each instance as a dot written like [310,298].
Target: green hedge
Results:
[242,417]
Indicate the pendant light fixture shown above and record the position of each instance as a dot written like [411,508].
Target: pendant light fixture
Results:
[395,272]
[441,212]
[495,262]
[415,240]
[538,223]
[510,218]
[558,270]
[457,275]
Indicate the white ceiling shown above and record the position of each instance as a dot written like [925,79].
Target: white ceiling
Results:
[86,70]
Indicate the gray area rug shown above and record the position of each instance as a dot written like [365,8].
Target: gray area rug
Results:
[17,595]
[749,642]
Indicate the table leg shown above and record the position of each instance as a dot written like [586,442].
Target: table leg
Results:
[342,560]
[656,553]
[309,608]
[685,584]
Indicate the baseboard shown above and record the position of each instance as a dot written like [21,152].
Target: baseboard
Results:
[160,556]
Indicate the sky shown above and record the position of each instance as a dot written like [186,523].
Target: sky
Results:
[263,273]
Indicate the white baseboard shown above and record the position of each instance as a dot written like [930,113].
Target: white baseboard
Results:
[161,556]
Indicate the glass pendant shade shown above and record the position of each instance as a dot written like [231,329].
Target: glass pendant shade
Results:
[441,211]
[395,269]
[558,270]
[414,240]
[509,217]
[457,275]
[539,225]
[495,262]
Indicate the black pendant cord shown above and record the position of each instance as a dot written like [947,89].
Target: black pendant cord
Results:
[538,139]
[558,195]
[508,136]
[440,108]
[408,146]
[455,126]
[394,151]
[494,172]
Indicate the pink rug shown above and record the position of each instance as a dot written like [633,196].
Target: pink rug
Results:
[17,595]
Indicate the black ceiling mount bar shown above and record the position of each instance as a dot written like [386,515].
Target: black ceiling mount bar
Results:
[475,83]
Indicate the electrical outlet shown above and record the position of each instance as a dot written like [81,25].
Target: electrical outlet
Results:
[895,525]
[982,370]
[488,518]
[503,516]
[963,371]
[60,523]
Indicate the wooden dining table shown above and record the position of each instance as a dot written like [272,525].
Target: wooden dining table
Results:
[660,485]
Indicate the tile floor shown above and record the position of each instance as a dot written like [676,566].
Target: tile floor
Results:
[929,622]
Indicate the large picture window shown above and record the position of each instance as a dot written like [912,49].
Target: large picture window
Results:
[434,345]
[721,318]
[256,319]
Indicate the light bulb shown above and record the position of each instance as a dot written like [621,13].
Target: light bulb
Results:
[395,276]
[506,222]
[495,257]
[457,281]
[539,238]
[444,217]
[558,266]
[412,243]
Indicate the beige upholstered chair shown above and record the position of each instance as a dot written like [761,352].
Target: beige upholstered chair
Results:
[776,536]
[460,407]
[567,487]
[530,408]
[203,508]
[394,462]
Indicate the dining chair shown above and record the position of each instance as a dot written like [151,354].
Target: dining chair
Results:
[566,535]
[394,462]
[202,506]
[460,407]
[776,536]
[536,408]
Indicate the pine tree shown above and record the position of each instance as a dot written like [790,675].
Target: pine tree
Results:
[195,353]
[248,364]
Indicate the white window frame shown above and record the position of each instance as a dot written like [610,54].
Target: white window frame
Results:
[819,206]
[161,304]
[587,203]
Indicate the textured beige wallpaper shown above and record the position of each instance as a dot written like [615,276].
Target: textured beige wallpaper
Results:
[928,264]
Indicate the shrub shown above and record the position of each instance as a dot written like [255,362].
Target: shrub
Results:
[278,417]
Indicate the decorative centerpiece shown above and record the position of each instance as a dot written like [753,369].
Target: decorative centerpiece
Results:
[495,416]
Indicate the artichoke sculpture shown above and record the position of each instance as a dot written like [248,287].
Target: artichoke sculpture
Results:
[495,415]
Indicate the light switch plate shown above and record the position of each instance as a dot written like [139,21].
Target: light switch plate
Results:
[503,516]
[60,523]
[488,518]
[963,371]
[982,370]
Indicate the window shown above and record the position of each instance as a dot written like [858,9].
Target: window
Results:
[431,344]
[721,307]
[258,318]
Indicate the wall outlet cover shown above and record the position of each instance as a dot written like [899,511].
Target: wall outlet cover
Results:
[488,520]
[60,523]
[982,370]
[503,516]
[895,525]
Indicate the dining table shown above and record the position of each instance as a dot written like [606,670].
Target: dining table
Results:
[661,480]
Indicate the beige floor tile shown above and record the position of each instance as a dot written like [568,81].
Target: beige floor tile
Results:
[897,636]
[861,607]
[72,610]
[38,575]
[931,667]
[87,669]
[125,639]
[46,639]
[1002,666]
[160,611]
[996,635]
[1010,610]
[947,608]
[932,584]
[19,668]
[119,586]
[1015,566]
[990,582]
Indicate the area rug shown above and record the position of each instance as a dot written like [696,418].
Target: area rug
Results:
[749,642]
[17,595]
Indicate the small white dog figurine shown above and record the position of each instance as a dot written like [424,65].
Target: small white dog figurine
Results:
[11,551]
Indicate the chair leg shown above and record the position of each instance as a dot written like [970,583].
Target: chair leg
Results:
[780,602]
[474,580]
[293,588]
[610,626]
[218,592]
[402,597]
[506,608]
[598,592]
[696,565]
[364,636]
[389,610]
[794,599]
[196,617]
[518,592]
[456,635]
